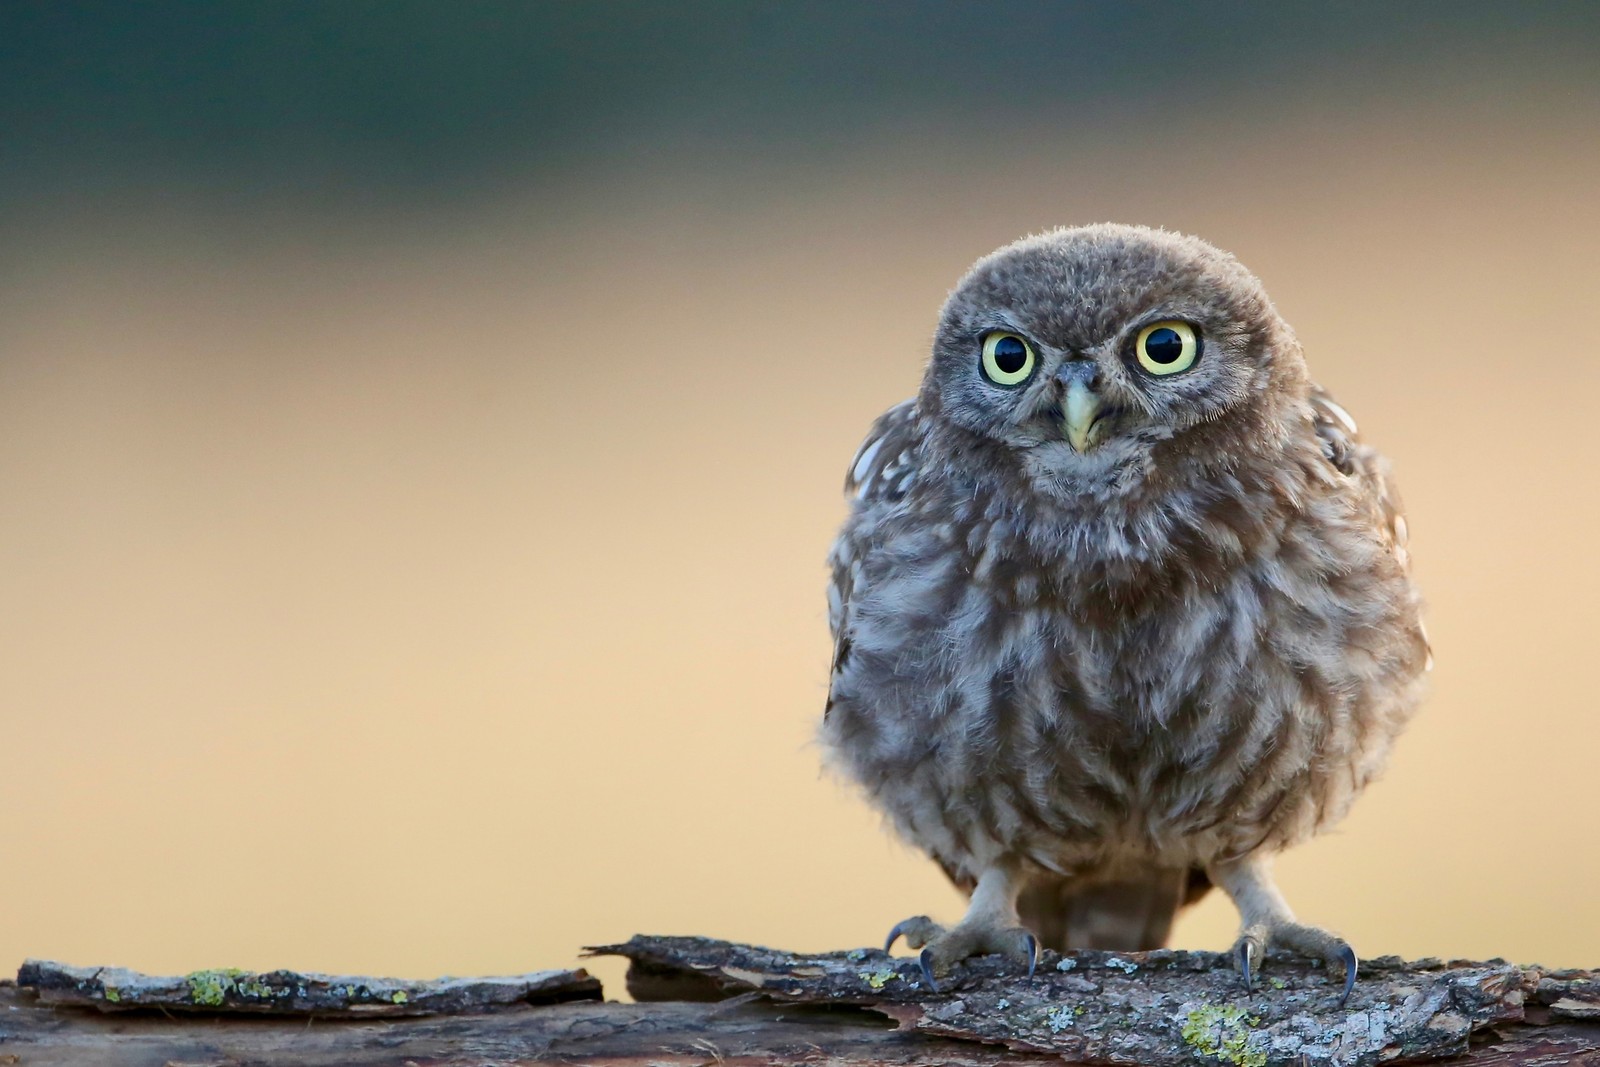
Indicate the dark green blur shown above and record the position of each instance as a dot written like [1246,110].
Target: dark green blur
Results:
[346,100]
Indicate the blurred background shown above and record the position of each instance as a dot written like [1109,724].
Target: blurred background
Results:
[422,426]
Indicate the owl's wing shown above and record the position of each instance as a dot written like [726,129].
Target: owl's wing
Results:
[1341,444]
[885,464]
[880,475]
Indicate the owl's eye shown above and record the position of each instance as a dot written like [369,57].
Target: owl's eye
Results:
[1007,359]
[1167,347]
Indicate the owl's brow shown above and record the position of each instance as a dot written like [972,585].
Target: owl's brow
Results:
[1187,310]
[993,319]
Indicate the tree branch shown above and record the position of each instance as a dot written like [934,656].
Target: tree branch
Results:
[708,1002]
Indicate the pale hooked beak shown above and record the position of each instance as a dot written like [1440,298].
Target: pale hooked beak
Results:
[1082,407]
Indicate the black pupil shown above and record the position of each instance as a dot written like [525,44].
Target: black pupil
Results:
[1164,345]
[1010,355]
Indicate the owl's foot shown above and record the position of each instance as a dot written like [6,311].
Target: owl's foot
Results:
[1266,921]
[1311,941]
[990,925]
[973,936]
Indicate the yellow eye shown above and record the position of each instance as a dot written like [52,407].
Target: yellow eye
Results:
[1007,359]
[1167,347]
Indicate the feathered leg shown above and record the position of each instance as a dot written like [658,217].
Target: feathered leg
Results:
[1265,920]
[990,925]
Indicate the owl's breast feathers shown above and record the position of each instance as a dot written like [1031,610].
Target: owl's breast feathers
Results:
[1211,671]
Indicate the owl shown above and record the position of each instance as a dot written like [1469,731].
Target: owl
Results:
[1122,607]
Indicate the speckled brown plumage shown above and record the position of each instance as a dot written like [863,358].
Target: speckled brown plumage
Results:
[1111,625]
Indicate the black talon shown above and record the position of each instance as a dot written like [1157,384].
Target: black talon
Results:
[1244,963]
[1033,954]
[925,960]
[894,934]
[1348,957]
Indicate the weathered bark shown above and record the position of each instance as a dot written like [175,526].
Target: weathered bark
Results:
[293,993]
[1152,1008]
[856,1008]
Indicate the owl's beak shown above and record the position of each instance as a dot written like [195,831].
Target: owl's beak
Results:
[1082,409]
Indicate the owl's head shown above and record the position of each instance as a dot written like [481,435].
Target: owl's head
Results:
[1102,351]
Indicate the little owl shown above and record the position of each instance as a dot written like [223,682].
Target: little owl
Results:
[1122,606]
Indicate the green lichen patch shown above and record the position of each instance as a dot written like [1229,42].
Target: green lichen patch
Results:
[1223,1033]
[210,989]
[113,994]
[255,989]
[878,979]
[398,997]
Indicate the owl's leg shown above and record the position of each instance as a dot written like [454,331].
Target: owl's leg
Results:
[1265,921]
[990,925]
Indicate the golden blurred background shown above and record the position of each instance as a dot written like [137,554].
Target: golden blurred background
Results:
[422,427]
